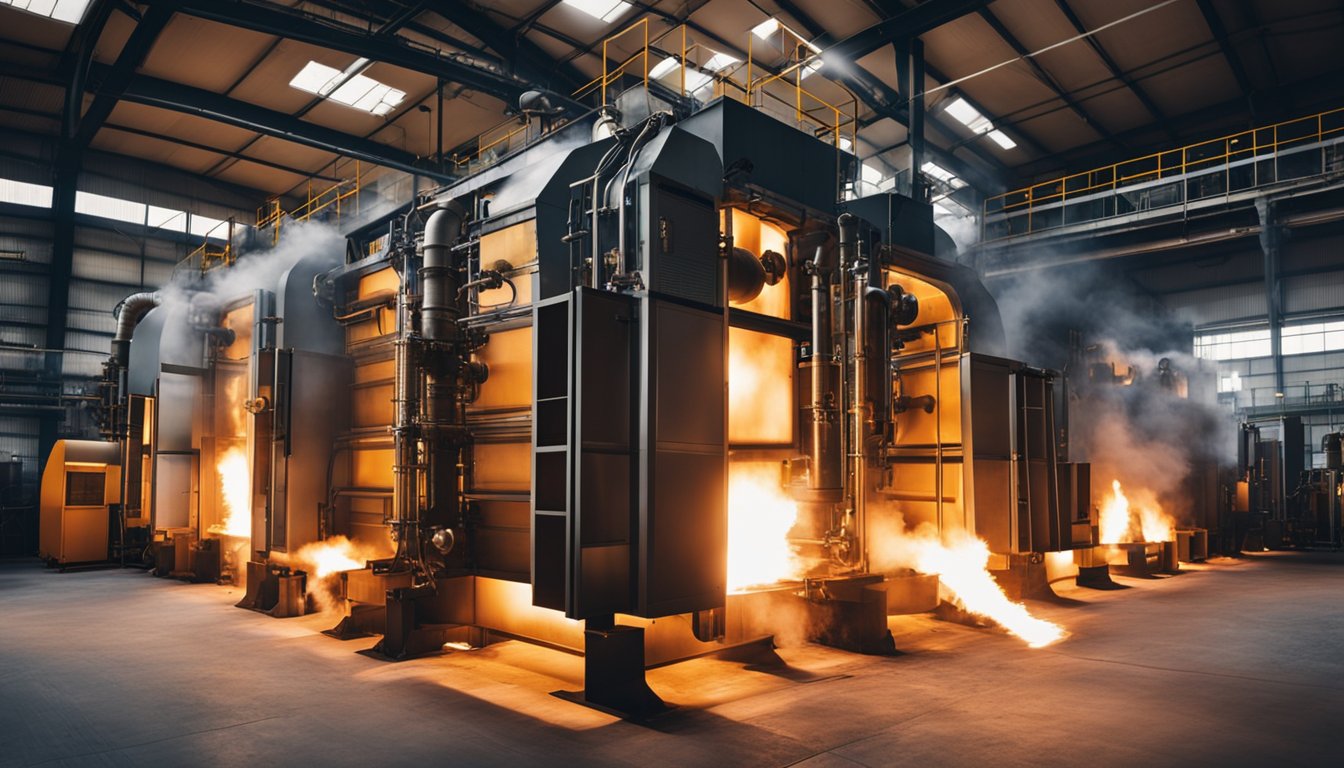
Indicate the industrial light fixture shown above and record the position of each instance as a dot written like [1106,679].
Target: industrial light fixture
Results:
[68,11]
[605,10]
[348,87]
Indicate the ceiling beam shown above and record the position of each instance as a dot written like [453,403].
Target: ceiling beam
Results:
[1115,70]
[888,102]
[912,23]
[390,49]
[218,151]
[185,99]
[1045,77]
[1219,31]
[526,58]
[133,54]
[1301,97]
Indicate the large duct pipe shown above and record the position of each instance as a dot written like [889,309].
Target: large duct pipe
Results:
[129,313]
[438,307]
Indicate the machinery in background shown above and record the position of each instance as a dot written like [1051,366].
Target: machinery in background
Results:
[1316,506]
[1279,501]
[81,486]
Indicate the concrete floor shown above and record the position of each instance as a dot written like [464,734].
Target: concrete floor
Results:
[1240,662]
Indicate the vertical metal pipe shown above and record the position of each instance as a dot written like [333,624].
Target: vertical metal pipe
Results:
[858,407]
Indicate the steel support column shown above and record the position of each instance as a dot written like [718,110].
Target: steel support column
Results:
[910,77]
[1270,237]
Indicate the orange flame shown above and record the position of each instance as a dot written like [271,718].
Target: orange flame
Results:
[333,555]
[235,484]
[960,561]
[1124,521]
[760,516]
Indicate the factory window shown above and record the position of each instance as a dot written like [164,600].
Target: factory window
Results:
[68,11]
[23,193]
[348,87]
[1306,338]
[204,226]
[606,10]
[1230,383]
[167,218]
[109,208]
[1233,345]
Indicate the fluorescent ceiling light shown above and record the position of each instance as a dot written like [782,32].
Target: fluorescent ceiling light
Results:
[68,11]
[349,87]
[766,28]
[606,10]
[1002,139]
[969,116]
[940,173]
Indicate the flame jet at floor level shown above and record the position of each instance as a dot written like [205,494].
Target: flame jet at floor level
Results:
[964,579]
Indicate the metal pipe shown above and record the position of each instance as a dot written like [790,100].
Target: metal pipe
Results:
[129,313]
[824,434]
[856,448]
[438,307]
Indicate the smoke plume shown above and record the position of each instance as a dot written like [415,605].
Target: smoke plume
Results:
[187,296]
[1140,408]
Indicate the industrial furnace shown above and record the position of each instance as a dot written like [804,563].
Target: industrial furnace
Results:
[641,390]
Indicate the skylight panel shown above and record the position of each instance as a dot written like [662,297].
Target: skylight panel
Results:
[719,62]
[766,28]
[349,87]
[665,67]
[606,10]
[969,116]
[940,173]
[314,78]
[1002,139]
[23,193]
[68,11]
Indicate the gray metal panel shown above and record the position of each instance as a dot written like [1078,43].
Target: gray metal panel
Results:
[683,521]
[602,444]
[1313,293]
[784,160]
[315,410]
[902,220]
[306,324]
[987,441]
[1221,304]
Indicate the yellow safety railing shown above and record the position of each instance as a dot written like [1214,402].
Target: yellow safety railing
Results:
[335,199]
[610,75]
[492,140]
[211,255]
[1209,154]
[803,60]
